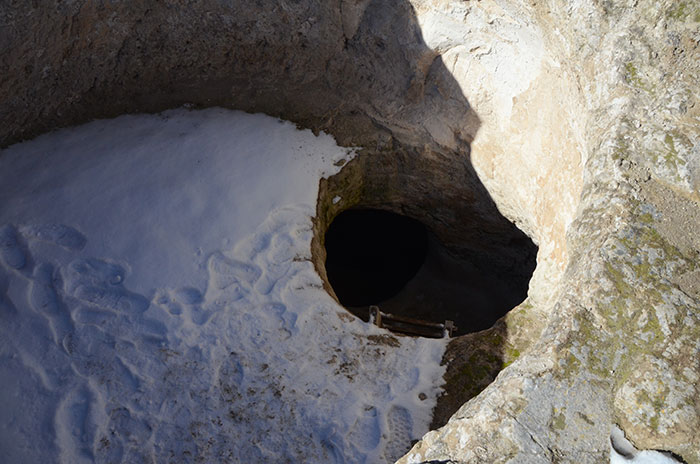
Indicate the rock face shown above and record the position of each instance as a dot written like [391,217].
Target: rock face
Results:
[620,342]
[578,121]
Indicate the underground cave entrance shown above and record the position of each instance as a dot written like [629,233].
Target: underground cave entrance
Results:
[378,257]
[373,254]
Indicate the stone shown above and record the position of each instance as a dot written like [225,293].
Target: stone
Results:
[577,121]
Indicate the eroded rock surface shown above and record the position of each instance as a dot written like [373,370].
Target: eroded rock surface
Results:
[578,121]
[620,342]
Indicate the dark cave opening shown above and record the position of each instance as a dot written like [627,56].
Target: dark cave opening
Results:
[378,257]
[372,254]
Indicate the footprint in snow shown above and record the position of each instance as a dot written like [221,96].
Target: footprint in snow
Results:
[273,274]
[11,250]
[222,299]
[93,271]
[198,315]
[99,283]
[189,296]
[278,314]
[163,299]
[277,262]
[116,299]
[365,432]
[68,343]
[7,308]
[400,426]
[90,315]
[229,281]
[225,271]
[59,234]
[44,299]
[281,249]
[252,246]
[74,427]
[185,303]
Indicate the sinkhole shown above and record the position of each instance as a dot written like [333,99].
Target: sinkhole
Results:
[419,246]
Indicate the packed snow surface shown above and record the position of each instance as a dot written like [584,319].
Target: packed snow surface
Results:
[643,457]
[158,303]
[622,451]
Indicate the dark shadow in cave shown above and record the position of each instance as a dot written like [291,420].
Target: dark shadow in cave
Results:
[371,255]
[376,257]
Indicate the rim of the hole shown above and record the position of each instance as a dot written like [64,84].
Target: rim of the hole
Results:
[345,190]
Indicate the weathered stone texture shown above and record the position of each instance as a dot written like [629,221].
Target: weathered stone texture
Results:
[622,338]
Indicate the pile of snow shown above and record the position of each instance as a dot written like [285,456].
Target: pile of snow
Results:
[622,451]
[158,303]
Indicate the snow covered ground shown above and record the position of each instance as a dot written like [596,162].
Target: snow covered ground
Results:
[158,303]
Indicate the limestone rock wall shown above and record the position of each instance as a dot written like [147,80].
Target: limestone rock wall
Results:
[352,67]
[621,342]
[530,147]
